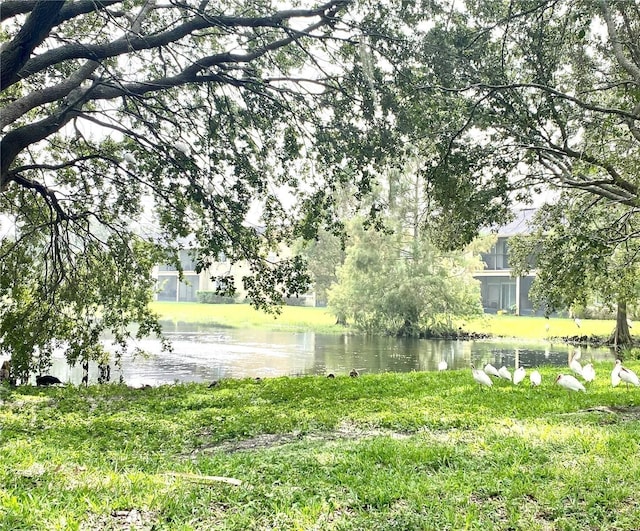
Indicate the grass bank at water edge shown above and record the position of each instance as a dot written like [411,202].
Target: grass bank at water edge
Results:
[296,318]
[389,451]
[290,318]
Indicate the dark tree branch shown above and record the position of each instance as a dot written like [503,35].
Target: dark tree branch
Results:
[19,107]
[50,198]
[11,8]
[543,88]
[20,138]
[54,167]
[15,141]
[15,54]
[130,43]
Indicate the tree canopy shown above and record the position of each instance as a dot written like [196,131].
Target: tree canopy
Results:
[509,98]
[134,128]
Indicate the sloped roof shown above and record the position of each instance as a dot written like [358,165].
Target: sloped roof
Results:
[521,223]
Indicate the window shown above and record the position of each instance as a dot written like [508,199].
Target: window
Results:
[168,287]
[187,260]
[498,257]
[189,288]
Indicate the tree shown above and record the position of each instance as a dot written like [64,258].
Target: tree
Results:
[520,96]
[394,279]
[393,283]
[581,257]
[134,128]
[324,256]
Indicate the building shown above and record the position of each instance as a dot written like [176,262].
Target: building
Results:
[499,290]
[171,288]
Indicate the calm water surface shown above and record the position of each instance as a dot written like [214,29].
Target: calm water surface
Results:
[203,355]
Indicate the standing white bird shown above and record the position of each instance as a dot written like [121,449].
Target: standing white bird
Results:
[615,374]
[491,370]
[629,323]
[442,366]
[481,377]
[577,321]
[503,372]
[569,382]
[518,375]
[574,364]
[535,378]
[627,375]
[588,372]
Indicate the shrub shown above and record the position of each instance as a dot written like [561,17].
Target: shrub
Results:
[211,297]
[295,301]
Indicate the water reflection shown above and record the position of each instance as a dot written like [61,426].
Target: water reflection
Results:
[203,355]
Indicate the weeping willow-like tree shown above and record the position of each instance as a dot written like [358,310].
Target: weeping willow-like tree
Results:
[396,280]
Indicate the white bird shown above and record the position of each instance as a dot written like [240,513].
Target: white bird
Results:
[629,323]
[627,375]
[128,157]
[481,377]
[535,378]
[577,353]
[518,375]
[442,366]
[503,372]
[615,374]
[569,382]
[491,370]
[182,147]
[588,372]
[574,365]
[578,322]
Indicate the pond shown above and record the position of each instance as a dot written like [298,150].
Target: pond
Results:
[204,355]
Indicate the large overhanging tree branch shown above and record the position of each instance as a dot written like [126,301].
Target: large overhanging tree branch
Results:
[131,130]
[106,88]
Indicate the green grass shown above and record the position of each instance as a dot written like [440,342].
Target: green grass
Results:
[391,451]
[536,327]
[291,318]
[321,320]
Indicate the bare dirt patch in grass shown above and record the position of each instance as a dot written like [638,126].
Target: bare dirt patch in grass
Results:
[129,520]
[346,431]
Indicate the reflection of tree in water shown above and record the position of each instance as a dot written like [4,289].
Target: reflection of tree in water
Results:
[216,355]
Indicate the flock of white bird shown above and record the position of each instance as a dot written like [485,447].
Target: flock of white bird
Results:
[568,381]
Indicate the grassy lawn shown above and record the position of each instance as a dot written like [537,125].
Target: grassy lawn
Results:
[321,320]
[293,318]
[536,327]
[392,451]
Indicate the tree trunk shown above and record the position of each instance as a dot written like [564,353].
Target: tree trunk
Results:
[621,337]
